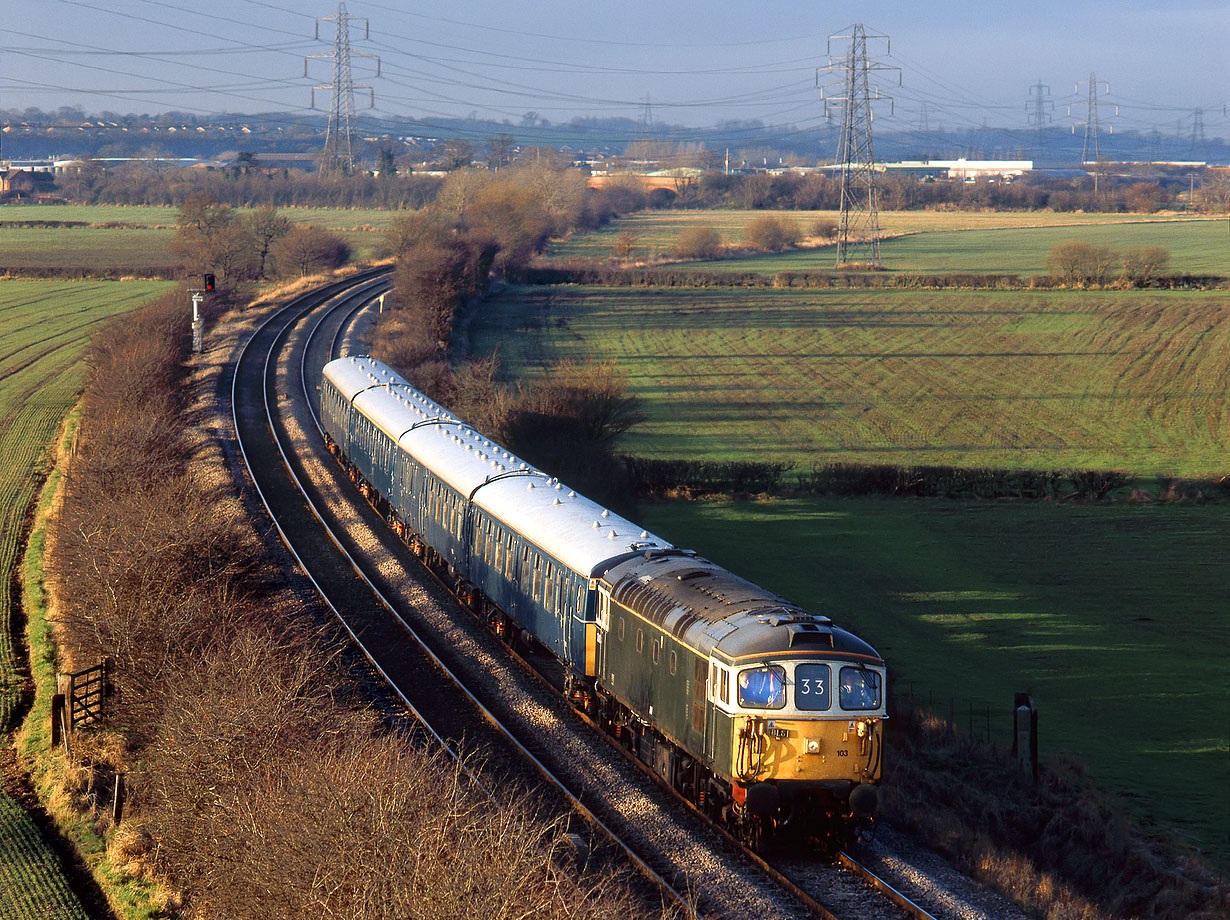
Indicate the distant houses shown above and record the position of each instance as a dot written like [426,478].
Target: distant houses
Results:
[18,184]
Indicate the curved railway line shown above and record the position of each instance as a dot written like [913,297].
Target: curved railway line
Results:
[456,680]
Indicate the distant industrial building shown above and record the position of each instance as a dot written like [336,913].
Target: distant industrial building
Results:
[962,168]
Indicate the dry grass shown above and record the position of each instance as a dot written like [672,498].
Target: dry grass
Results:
[1060,847]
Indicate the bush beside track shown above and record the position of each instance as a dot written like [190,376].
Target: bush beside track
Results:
[262,784]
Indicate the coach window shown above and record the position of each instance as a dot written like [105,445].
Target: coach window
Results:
[655,649]
[621,629]
[674,662]
[725,685]
[640,641]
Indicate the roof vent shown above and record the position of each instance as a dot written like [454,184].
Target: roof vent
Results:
[611,535]
[572,494]
[556,502]
[596,525]
[605,513]
[809,634]
[529,487]
[644,534]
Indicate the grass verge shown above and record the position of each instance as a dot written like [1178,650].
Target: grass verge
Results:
[129,898]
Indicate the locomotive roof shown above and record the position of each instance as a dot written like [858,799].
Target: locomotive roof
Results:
[578,532]
[707,607]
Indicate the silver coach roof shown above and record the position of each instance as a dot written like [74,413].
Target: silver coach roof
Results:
[578,532]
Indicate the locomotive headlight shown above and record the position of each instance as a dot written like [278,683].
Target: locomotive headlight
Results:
[862,729]
[813,745]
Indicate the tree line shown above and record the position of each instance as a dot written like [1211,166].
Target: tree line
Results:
[898,192]
[248,184]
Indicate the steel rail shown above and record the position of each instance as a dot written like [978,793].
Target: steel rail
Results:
[589,816]
[847,861]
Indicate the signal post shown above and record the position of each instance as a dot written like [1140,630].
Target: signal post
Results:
[198,321]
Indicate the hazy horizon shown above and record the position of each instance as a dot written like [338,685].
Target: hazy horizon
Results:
[961,66]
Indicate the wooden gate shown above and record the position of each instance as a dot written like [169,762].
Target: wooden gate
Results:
[80,698]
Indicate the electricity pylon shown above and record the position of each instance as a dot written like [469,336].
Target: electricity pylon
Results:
[1091,145]
[338,155]
[1036,105]
[1197,129]
[858,232]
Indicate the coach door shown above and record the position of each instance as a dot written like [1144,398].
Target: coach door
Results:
[603,627]
[719,696]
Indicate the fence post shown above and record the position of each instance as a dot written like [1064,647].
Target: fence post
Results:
[117,800]
[57,719]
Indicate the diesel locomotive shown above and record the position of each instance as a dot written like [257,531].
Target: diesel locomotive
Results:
[766,716]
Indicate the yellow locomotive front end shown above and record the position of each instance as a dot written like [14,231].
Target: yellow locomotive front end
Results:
[806,742]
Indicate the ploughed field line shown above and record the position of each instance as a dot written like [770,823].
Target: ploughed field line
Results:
[418,638]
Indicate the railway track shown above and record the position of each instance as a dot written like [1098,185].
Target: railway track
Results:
[407,627]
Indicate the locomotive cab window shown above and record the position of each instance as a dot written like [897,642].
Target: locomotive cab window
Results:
[762,688]
[860,689]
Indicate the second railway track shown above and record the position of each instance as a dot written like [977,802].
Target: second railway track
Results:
[413,633]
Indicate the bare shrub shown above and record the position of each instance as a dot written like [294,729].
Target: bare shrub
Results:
[625,245]
[824,229]
[304,810]
[306,250]
[1078,263]
[771,234]
[412,229]
[1140,266]
[624,194]
[698,243]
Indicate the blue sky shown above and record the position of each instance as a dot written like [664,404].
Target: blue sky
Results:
[698,63]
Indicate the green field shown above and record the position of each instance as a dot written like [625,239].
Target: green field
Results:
[44,326]
[145,238]
[164,217]
[925,241]
[1114,617]
[73,247]
[1127,380]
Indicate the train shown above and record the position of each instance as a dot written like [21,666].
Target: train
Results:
[767,717]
